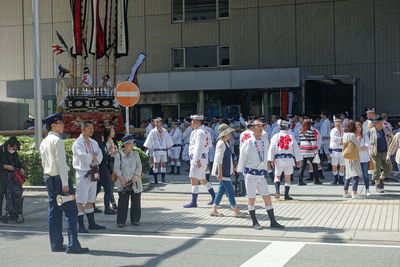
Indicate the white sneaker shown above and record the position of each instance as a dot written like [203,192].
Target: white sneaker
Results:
[346,195]
[367,192]
[357,196]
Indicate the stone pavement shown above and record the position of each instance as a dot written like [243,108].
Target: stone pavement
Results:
[318,213]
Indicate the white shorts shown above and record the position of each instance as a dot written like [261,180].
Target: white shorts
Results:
[316,159]
[288,170]
[174,152]
[199,173]
[160,158]
[254,184]
[85,189]
[338,161]
[325,146]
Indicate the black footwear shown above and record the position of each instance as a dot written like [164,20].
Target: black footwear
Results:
[274,223]
[83,230]
[120,225]
[288,198]
[81,225]
[96,227]
[336,180]
[4,219]
[172,170]
[321,174]
[109,211]
[96,210]
[135,224]
[301,183]
[77,250]
[63,248]
[114,206]
[256,225]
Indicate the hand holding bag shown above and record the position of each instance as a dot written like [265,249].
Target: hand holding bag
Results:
[94,172]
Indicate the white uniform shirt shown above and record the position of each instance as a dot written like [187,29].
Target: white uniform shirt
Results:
[54,161]
[247,134]
[253,155]
[176,136]
[199,144]
[336,142]
[82,153]
[87,80]
[284,143]
[158,141]
[325,128]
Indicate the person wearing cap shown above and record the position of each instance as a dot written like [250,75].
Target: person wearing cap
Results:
[380,139]
[199,145]
[85,153]
[159,140]
[253,164]
[223,169]
[186,132]
[128,168]
[326,136]
[284,154]
[368,124]
[55,168]
[150,151]
[336,148]
[175,150]
[87,79]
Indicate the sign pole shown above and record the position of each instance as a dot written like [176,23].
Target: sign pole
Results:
[127,120]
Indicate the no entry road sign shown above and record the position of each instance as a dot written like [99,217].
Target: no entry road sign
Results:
[127,94]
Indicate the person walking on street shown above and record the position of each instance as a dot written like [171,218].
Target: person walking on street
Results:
[364,155]
[309,149]
[253,162]
[380,139]
[55,168]
[223,169]
[128,169]
[175,151]
[353,166]
[325,134]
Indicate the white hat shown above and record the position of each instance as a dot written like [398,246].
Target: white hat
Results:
[369,110]
[283,123]
[197,117]
[337,119]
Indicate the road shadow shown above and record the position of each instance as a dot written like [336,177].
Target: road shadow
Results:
[108,253]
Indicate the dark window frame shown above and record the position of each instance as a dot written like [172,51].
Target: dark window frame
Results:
[183,15]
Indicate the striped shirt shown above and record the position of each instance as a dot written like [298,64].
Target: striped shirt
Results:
[308,143]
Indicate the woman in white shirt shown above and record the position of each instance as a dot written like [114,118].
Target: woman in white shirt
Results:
[364,155]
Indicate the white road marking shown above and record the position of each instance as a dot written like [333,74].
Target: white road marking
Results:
[277,254]
[201,238]
[127,94]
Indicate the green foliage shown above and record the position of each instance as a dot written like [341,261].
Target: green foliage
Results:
[33,167]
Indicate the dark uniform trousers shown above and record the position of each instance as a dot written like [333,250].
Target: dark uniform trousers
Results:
[123,203]
[54,186]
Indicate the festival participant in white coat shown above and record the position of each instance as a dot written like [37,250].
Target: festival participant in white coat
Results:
[284,154]
[199,145]
[325,130]
[186,132]
[336,147]
[150,151]
[175,150]
[159,140]
[253,165]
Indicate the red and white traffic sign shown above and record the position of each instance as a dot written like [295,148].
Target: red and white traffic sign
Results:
[127,94]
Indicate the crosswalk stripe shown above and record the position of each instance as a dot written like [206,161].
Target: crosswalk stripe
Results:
[277,254]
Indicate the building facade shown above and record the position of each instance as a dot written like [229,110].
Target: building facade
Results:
[230,56]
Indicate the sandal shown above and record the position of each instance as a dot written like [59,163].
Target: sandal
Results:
[216,214]
[240,215]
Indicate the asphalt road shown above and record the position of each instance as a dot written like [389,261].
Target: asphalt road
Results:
[28,248]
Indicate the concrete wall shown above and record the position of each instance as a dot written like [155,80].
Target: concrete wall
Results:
[342,37]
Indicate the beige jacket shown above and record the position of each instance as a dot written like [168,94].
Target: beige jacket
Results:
[395,148]
[373,148]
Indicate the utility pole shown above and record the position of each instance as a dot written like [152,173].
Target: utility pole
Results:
[37,74]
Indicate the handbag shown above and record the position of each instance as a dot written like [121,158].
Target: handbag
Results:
[350,151]
[20,178]
[94,172]
[371,165]
[114,176]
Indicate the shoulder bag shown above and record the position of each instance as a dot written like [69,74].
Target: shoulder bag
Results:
[350,151]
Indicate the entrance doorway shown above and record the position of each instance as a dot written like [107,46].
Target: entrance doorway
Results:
[334,94]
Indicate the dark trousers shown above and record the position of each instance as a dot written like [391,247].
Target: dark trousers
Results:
[3,191]
[304,165]
[123,204]
[54,185]
[106,183]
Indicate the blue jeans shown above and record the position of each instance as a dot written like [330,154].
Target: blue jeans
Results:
[364,169]
[225,186]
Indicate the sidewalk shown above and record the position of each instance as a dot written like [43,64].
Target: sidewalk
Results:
[317,213]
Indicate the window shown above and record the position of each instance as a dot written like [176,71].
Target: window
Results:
[201,57]
[195,10]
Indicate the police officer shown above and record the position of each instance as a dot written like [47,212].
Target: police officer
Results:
[55,169]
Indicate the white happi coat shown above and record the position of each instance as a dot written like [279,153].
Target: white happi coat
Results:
[250,158]
[87,80]
[176,136]
[82,154]
[160,143]
[336,143]
[199,145]
[283,143]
